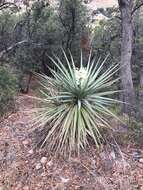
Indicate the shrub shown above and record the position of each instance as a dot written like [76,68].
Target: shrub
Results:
[7,91]
[75,104]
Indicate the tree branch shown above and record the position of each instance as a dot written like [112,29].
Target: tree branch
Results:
[7,5]
[137,6]
[118,17]
[2,53]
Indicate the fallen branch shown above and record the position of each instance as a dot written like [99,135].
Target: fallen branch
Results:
[2,53]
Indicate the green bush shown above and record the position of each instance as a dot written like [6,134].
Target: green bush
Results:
[7,91]
[75,105]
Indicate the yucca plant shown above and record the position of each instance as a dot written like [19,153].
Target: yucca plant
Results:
[75,104]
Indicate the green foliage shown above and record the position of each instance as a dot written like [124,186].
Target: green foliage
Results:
[7,91]
[7,22]
[75,104]
[73,18]
[106,38]
[44,29]
[41,28]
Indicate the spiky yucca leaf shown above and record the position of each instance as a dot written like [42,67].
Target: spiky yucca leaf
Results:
[75,104]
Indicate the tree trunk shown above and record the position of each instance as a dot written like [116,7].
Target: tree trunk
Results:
[141,84]
[25,88]
[128,95]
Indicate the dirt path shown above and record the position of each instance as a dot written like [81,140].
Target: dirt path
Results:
[24,168]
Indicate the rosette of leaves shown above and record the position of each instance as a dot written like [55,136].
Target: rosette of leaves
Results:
[75,104]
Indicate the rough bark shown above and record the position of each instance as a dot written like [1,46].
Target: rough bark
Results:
[141,84]
[128,95]
[27,81]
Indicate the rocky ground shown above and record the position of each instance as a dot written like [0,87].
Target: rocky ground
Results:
[24,167]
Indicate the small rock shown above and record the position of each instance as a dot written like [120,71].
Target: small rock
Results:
[112,155]
[31,151]
[43,174]
[93,164]
[1,178]
[136,155]
[38,166]
[18,187]
[43,160]
[50,163]
[25,188]
[2,188]
[25,142]
[64,180]
[141,160]
[59,186]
